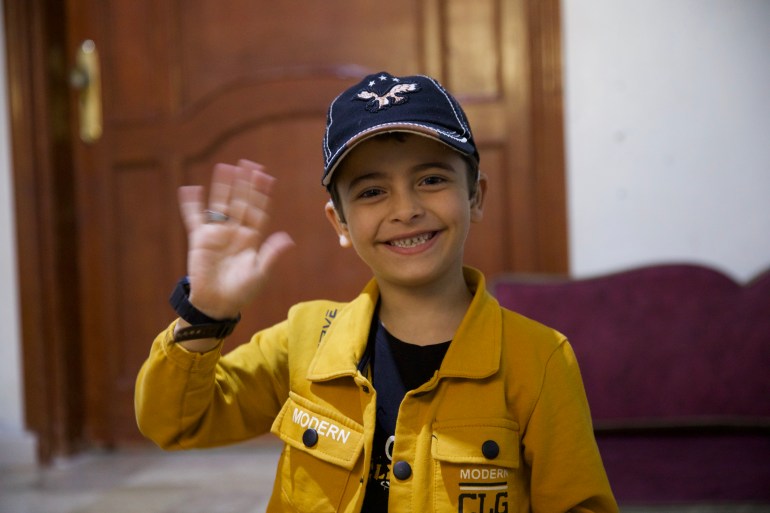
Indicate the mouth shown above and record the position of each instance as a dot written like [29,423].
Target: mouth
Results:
[412,242]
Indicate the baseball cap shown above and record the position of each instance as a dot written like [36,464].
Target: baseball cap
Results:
[385,103]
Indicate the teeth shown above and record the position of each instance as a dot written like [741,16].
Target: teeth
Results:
[412,241]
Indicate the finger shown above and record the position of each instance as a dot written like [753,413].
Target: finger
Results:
[248,193]
[239,194]
[249,164]
[190,199]
[257,213]
[221,187]
[274,246]
[263,182]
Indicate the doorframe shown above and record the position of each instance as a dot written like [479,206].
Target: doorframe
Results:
[41,125]
[38,97]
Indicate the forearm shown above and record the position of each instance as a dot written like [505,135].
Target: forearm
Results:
[174,389]
[188,399]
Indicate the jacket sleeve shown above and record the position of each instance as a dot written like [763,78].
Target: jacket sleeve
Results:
[559,444]
[192,400]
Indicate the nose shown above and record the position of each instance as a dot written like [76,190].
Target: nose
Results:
[406,205]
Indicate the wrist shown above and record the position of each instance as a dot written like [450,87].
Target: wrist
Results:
[214,312]
[200,325]
[200,345]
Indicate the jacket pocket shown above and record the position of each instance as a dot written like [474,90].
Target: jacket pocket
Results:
[322,448]
[476,464]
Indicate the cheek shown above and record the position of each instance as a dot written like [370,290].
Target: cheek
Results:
[354,231]
[361,222]
[459,209]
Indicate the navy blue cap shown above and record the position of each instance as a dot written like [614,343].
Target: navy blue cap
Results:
[385,103]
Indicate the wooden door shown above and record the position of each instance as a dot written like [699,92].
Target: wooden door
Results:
[188,84]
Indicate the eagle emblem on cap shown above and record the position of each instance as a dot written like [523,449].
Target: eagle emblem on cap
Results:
[393,96]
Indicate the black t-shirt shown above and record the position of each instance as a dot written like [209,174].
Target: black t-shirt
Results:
[398,367]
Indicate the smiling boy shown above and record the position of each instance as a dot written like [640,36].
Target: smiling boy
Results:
[423,394]
[407,211]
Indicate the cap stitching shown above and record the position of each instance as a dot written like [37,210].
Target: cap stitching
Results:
[327,148]
[451,135]
[460,121]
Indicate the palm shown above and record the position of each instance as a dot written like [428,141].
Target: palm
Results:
[228,262]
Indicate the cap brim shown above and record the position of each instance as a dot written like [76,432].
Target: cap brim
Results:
[413,128]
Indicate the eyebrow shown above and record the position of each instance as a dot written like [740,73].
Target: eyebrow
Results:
[374,175]
[368,176]
[437,164]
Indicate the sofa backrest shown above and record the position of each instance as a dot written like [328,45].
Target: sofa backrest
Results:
[671,343]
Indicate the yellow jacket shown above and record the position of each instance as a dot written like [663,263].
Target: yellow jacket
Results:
[502,427]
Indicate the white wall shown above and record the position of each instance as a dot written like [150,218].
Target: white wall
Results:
[16,446]
[668,136]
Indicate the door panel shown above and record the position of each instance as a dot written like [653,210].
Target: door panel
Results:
[222,47]
[187,85]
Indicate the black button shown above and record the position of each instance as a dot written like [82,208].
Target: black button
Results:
[490,449]
[310,437]
[365,389]
[402,470]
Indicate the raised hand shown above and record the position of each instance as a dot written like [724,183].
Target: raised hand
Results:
[229,254]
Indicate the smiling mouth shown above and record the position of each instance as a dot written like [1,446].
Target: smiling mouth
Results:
[412,242]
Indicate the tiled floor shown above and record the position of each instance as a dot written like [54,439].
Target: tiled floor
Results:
[237,479]
[231,480]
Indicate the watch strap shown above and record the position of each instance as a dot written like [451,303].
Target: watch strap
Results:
[201,325]
[218,331]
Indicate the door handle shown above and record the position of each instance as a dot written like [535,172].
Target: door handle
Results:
[87,79]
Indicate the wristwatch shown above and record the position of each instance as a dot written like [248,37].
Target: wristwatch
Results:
[201,325]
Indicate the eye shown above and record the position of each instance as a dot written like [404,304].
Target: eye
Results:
[371,192]
[433,180]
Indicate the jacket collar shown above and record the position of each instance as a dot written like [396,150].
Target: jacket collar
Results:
[476,348]
[473,353]
[345,341]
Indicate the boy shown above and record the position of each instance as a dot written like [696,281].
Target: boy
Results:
[422,394]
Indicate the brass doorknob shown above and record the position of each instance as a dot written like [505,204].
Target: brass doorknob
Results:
[85,77]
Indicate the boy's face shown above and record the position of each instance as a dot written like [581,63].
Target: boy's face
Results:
[407,207]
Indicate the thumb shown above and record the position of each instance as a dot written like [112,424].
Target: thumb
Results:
[272,248]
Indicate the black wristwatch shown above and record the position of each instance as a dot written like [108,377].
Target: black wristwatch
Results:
[201,325]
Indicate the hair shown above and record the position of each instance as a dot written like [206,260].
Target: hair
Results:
[470,163]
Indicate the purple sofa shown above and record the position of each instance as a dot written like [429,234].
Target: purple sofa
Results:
[676,365]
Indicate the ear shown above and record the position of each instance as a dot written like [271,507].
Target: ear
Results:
[477,201]
[339,227]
